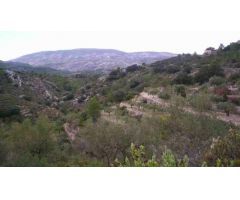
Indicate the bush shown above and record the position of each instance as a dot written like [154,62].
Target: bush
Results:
[133,68]
[27,98]
[8,106]
[82,118]
[164,95]
[183,78]
[68,97]
[226,107]
[106,140]
[168,159]
[31,144]
[202,102]
[225,151]
[172,69]
[234,77]
[118,96]
[81,99]
[137,158]
[133,83]
[180,90]
[187,69]
[207,71]
[93,109]
[217,99]
[116,74]
[217,80]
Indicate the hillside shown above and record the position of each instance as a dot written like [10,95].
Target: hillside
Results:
[90,59]
[182,111]
[23,67]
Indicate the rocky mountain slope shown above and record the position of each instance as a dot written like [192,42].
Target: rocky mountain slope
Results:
[90,59]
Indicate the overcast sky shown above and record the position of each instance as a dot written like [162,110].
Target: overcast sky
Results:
[184,26]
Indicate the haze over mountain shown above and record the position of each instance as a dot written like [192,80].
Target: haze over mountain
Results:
[90,59]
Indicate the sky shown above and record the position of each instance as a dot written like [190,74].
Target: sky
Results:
[185,26]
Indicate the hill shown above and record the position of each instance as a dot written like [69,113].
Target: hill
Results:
[182,111]
[90,59]
[23,67]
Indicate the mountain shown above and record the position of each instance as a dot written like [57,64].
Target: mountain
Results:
[90,59]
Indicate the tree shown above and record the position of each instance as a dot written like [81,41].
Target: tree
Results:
[93,109]
[221,47]
[207,71]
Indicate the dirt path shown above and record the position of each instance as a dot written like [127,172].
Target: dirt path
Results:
[234,119]
[134,110]
[154,99]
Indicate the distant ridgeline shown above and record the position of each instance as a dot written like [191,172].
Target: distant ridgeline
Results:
[23,67]
[91,59]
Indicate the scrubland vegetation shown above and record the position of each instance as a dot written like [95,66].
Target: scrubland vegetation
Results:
[183,111]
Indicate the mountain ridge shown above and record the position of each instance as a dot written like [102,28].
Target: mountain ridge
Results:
[90,59]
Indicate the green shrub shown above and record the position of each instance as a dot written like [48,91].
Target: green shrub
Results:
[133,83]
[31,144]
[118,96]
[207,71]
[187,69]
[116,74]
[234,77]
[68,97]
[137,158]
[133,68]
[27,98]
[225,151]
[217,80]
[8,106]
[227,107]
[164,95]
[172,69]
[94,108]
[168,159]
[202,102]
[217,98]
[183,78]
[180,90]
[83,116]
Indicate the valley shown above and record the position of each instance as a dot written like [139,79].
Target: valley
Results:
[165,111]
